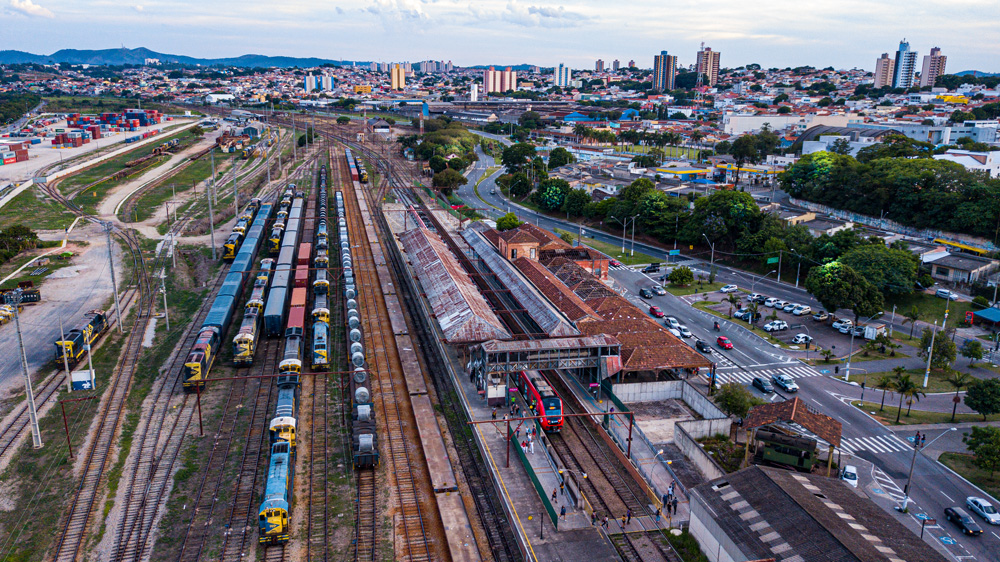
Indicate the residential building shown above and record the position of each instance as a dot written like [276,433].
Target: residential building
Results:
[934,64]
[883,71]
[499,81]
[631,64]
[474,92]
[563,75]
[362,89]
[904,67]
[664,69]
[988,162]
[322,83]
[978,131]
[614,65]
[764,513]
[599,66]
[708,64]
[961,268]
[398,77]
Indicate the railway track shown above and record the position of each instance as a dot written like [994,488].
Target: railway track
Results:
[385,368]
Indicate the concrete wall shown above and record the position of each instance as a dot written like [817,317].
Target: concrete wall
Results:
[701,403]
[15,192]
[716,545]
[649,391]
[694,452]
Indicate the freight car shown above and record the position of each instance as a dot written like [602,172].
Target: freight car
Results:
[74,346]
[245,342]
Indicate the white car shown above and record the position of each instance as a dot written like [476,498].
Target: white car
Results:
[789,307]
[671,322]
[754,296]
[850,475]
[729,289]
[771,302]
[802,338]
[984,509]
[780,305]
[785,382]
[801,310]
[775,326]
[684,331]
[842,325]
[674,331]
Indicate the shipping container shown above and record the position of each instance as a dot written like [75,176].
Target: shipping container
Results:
[298,297]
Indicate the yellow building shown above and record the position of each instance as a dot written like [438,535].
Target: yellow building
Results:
[953,99]
[398,77]
[362,89]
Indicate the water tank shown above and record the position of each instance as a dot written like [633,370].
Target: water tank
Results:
[358,359]
[355,335]
[356,347]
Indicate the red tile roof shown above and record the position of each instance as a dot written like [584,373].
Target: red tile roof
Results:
[796,411]
[554,290]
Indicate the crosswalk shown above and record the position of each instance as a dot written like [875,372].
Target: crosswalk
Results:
[746,377]
[875,444]
[620,268]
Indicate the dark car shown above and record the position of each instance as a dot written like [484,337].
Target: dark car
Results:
[703,347]
[645,293]
[651,268]
[762,385]
[965,522]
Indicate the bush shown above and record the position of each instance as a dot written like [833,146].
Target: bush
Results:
[343,120]
[681,276]
[981,301]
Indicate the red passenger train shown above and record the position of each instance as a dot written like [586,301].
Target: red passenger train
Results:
[537,392]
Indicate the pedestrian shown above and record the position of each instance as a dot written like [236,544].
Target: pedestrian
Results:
[604,523]
[562,513]
[517,432]
[628,514]
[593,518]
[494,413]
[916,440]
[666,499]
[554,494]
[623,522]
[670,490]
[524,447]
[673,504]
[531,445]
[562,488]
[657,515]
[923,440]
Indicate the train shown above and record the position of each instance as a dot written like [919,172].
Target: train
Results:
[364,431]
[74,345]
[321,284]
[281,287]
[542,398]
[275,510]
[206,346]
[246,340]
[235,238]
[362,171]
[284,206]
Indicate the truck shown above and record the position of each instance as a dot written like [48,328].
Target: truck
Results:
[873,331]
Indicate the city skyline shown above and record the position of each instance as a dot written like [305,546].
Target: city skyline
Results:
[492,32]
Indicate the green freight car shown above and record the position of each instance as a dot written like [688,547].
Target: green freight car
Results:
[778,449]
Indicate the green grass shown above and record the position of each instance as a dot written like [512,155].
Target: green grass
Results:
[687,547]
[965,466]
[931,308]
[935,383]
[182,181]
[693,288]
[44,213]
[84,104]
[38,280]
[613,250]
[670,151]
[916,417]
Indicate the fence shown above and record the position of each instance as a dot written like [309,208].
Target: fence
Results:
[534,482]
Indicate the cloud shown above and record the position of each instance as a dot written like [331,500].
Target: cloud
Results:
[540,16]
[29,8]
[396,10]
[340,10]
[138,8]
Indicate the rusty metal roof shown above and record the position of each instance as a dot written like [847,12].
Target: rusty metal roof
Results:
[600,340]
[548,318]
[795,410]
[558,293]
[462,312]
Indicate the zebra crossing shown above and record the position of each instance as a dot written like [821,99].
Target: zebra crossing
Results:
[875,444]
[620,268]
[746,377]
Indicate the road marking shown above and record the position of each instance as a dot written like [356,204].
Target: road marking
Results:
[946,495]
[994,534]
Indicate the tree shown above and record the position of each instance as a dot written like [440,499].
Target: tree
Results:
[984,442]
[516,156]
[567,238]
[945,350]
[458,164]
[744,150]
[911,316]
[343,120]
[530,120]
[576,202]
[841,146]
[983,396]
[560,157]
[884,383]
[973,350]
[754,310]
[784,110]
[681,276]
[893,272]
[635,190]
[732,299]
[906,389]
[508,222]
[836,285]
[642,160]
[449,179]
[551,194]
[437,164]
[735,399]
[958,380]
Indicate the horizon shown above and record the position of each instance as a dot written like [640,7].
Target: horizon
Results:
[508,33]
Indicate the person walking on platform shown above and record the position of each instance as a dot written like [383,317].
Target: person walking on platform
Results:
[604,523]
[628,513]
[531,444]
[673,504]
[562,488]
[658,515]
[494,413]
[562,513]
[593,518]
[554,494]
[623,523]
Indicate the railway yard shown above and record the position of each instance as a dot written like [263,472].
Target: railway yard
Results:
[353,372]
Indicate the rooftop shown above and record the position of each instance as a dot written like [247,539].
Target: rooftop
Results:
[963,262]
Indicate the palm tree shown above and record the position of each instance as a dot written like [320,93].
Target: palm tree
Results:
[911,317]
[754,309]
[959,380]
[732,299]
[904,386]
[884,383]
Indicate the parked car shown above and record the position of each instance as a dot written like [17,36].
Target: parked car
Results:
[674,331]
[850,475]
[946,294]
[760,299]
[729,289]
[645,293]
[802,338]
[771,302]
[614,263]
[685,333]
[838,324]
[659,290]
[651,268]
[739,314]
[785,382]
[789,307]
[753,297]
[859,331]
[703,347]
[984,509]
[801,310]
[724,342]
[780,305]
[821,316]
[655,311]
[775,326]
[965,522]
[761,384]
[672,322]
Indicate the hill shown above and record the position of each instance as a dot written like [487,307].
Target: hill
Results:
[139,55]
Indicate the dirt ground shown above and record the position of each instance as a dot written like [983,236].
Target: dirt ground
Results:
[657,419]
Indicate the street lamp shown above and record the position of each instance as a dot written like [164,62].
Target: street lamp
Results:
[625,230]
[754,282]
[711,263]
[930,350]
[850,352]
[917,447]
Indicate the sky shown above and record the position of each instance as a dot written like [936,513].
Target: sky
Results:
[778,33]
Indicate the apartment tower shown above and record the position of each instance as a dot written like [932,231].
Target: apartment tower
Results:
[906,65]
[883,71]
[664,69]
[563,75]
[398,77]
[708,64]
[934,64]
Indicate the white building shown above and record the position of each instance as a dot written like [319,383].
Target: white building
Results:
[986,161]
[563,76]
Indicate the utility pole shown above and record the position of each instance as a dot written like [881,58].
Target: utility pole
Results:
[295,140]
[36,435]
[114,284]
[211,226]
[163,289]
[779,265]
[930,354]
[236,193]
[212,154]
[62,340]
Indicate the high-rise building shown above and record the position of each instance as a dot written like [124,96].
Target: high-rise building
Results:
[664,69]
[933,67]
[905,66]
[310,83]
[563,75]
[615,65]
[599,66]
[474,92]
[499,81]
[883,71]
[323,83]
[398,77]
[631,64]
[708,64]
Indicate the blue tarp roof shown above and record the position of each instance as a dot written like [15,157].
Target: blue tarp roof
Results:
[989,314]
